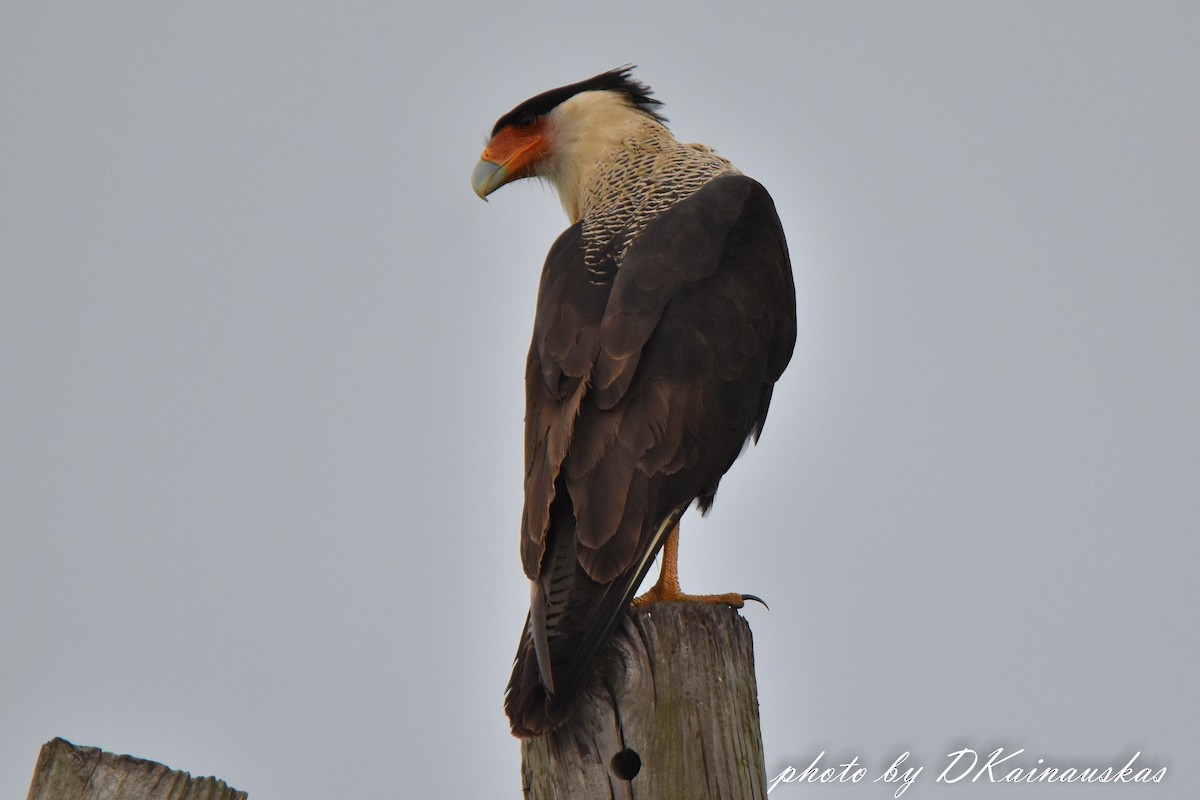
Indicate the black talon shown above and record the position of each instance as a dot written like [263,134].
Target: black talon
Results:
[756,599]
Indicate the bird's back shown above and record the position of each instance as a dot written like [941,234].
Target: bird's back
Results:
[664,318]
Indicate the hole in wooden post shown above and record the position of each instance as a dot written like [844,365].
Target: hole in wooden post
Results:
[626,764]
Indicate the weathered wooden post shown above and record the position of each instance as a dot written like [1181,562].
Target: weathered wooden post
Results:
[672,714]
[67,772]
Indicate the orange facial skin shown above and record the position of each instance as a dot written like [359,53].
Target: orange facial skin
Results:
[510,155]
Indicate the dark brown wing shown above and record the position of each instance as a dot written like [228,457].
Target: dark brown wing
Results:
[643,385]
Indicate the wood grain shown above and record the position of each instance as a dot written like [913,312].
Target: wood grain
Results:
[674,701]
[67,772]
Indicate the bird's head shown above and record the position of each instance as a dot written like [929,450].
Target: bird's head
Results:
[561,134]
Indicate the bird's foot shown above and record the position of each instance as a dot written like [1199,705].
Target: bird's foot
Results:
[660,595]
[666,589]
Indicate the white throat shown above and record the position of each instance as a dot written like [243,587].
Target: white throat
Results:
[586,130]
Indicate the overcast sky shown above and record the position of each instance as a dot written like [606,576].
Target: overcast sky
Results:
[261,358]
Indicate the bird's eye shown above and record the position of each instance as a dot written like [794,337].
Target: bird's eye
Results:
[525,121]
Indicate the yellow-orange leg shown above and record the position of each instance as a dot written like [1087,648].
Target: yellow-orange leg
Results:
[667,589]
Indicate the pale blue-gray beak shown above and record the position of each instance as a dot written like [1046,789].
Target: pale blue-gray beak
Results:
[487,177]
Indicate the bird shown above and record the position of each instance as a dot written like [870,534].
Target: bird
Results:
[665,314]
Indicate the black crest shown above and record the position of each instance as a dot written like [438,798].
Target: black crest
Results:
[615,80]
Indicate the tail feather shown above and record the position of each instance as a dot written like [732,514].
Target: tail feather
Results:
[571,617]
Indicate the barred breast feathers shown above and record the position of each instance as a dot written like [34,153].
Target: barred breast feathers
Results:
[618,168]
[650,173]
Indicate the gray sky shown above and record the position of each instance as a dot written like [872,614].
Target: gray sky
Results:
[262,350]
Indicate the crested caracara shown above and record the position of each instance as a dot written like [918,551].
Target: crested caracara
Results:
[666,314]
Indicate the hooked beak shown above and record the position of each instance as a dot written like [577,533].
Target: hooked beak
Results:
[509,156]
[487,177]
